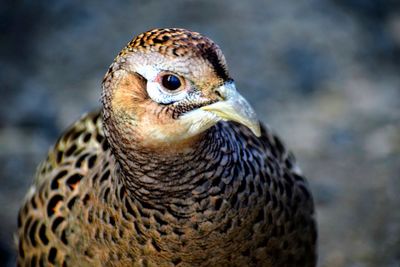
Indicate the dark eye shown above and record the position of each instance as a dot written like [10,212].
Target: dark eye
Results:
[171,82]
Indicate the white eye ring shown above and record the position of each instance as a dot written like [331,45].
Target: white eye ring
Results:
[160,79]
[160,95]
[156,91]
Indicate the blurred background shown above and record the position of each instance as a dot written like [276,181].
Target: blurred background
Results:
[323,73]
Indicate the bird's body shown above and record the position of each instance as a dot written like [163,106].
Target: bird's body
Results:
[119,189]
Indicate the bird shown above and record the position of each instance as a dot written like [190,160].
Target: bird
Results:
[174,169]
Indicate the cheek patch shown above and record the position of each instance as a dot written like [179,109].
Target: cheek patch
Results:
[129,92]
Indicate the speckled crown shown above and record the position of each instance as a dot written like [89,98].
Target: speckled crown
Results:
[179,43]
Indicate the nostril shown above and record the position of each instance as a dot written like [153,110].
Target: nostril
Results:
[218,93]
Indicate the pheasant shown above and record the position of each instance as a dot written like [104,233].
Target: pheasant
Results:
[174,170]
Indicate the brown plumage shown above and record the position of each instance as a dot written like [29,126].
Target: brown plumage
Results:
[169,173]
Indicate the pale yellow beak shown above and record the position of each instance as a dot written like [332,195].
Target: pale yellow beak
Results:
[234,107]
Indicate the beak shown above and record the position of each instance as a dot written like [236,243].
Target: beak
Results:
[234,107]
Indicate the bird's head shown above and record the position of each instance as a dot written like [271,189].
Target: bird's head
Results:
[168,86]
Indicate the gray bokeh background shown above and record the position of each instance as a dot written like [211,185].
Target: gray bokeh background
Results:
[324,74]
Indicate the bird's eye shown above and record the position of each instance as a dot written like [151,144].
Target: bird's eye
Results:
[171,82]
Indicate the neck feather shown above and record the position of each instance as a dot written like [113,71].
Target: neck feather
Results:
[152,174]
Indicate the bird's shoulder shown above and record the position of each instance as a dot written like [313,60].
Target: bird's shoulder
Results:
[77,149]
[60,183]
